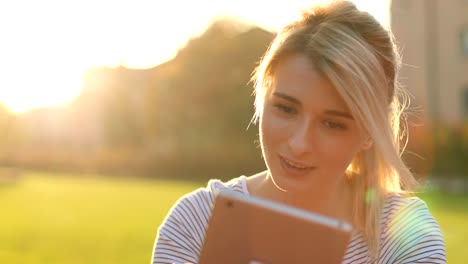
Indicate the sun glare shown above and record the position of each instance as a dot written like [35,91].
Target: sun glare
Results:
[48,45]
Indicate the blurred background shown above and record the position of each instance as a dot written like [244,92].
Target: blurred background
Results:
[111,110]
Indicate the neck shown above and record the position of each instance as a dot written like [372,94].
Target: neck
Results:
[336,202]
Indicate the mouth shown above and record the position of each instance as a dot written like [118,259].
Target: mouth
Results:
[295,167]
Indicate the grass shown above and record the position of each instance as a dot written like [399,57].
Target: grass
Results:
[61,219]
[57,218]
[451,212]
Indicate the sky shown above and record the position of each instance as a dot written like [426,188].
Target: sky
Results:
[46,46]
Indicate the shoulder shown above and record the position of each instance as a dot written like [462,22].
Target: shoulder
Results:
[203,198]
[192,211]
[181,234]
[409,231]
[238,184]
[404,210]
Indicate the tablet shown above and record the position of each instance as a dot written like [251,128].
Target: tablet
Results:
[249,229]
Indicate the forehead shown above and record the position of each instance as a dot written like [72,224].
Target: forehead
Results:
[298,77]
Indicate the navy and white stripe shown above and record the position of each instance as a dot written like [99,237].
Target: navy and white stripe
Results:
[409,232]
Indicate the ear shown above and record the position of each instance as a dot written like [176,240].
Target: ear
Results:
[367,143]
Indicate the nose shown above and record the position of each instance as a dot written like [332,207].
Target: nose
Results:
[301,139]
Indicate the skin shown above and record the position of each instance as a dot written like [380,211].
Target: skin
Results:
[308,138]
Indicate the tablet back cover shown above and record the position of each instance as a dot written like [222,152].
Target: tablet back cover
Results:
[248,231]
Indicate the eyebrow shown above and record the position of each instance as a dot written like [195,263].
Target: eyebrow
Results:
[339,113]
[328,112]
[287,97]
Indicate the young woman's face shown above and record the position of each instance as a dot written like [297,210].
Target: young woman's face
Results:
[307,133]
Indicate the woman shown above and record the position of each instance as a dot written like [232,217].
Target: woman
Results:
[329,108]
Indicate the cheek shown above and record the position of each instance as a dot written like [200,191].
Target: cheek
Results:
[272,122]
[272,128]
[338,151]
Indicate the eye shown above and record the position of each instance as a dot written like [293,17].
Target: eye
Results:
[286,109]
[334,125]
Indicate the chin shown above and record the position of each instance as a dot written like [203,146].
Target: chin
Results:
[289,184]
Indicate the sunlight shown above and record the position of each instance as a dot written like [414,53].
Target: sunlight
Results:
[48,45]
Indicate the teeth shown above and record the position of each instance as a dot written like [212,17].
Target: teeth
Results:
[292,164]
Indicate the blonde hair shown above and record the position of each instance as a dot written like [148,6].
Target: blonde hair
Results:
[359,57]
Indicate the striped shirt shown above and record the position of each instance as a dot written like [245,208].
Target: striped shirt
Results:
[409,233]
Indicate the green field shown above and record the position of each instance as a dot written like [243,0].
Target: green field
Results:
[52,218]
[62,219]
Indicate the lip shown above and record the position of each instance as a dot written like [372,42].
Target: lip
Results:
[294,168]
